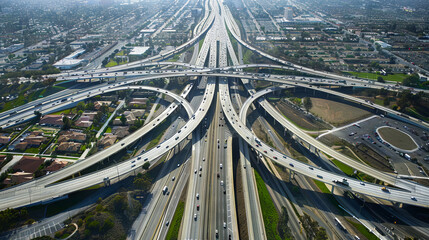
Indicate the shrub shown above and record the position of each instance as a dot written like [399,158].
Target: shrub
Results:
[94,225]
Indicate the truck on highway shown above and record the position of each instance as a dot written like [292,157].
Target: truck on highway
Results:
[164,190]
[342,182]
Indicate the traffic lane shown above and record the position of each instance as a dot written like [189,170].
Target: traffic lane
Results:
[375,190]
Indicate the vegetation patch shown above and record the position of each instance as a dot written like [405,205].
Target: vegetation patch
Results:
[269,212]
[362,229]
[397,138]
[397,77]
[173,231]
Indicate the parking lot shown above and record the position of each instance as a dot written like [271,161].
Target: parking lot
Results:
[364,132]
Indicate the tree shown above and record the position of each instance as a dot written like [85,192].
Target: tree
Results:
[380,79]
[143,184]
[146,166]
[123,119]
[307,103]
[67,123]
[80,106]
[412,80]
[38,116]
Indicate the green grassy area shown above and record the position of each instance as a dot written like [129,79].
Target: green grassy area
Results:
[32,150]
[158,132]
[175,58]
[23,99]
[362,229]
[173,231]
[121,53]
[111,64]
[343,167]
[200,43]
[108,130]
[397,77]
[322,186]
[269,212]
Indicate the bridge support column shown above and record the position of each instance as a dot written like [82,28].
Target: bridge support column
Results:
[332,189]
[398,204]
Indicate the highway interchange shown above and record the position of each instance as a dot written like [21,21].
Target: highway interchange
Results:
[212,121]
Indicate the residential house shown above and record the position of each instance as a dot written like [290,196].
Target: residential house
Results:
[71,147]
[18,177]
[108,140]
[28,164]
[71,136]
[4,139]
[138,112]
[120,131]
[98,104]
[56,165]
[84,121]
[52,120]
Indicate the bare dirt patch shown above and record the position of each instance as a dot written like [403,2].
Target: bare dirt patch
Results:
[337,113]
[397,138]
[299,118]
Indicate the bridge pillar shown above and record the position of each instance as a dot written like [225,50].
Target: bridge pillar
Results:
[332,189]
[398,204]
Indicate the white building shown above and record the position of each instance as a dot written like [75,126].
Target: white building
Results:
[288,14]
[70,61]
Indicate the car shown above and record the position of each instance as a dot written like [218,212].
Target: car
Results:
[198,207]
[275,157]
[218,175]
[195,171]
[145,159]
[362,183]
[413,198]
[221,183]
[265,151]
[204,159]
[173,178]
[220,166]
[197,196]
[139,158]
[291,164]
[122,144]
[168,222]
[133,161]
[166,146]
[311,168]
[195,217]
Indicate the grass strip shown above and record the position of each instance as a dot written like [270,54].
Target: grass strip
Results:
[362,229]
[173,231]
[269,212]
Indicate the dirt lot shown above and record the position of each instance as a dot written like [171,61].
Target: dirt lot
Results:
[337,113]
[397,138]
[298,118]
